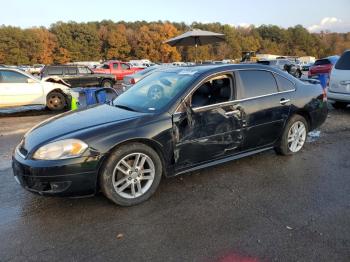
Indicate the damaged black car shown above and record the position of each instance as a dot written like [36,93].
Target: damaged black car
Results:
[171,122]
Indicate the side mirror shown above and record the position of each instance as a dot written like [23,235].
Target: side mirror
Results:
[31,81]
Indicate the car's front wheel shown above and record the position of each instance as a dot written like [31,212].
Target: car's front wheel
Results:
[56,101]
[293,137]
[131,174]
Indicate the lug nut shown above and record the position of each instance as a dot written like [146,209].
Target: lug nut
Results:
[129,178]
[135,180]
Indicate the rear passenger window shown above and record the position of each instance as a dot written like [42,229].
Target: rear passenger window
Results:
[71,70]
[55,71]
[284,84]
[343,62]
[257,83]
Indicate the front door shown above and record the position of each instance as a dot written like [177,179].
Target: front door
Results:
[209,125]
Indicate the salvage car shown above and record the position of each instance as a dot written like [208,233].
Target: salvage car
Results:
[322,66]
[172,122]
[18,88]
[339,84]
[77,76]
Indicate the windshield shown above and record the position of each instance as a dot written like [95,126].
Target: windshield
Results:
[154,92]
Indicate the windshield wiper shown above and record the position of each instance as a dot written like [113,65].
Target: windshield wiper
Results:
[126,108]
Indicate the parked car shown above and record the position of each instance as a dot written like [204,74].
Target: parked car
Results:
[18,88]
[117,68]
[78,76]
[283,64]
[322,66]
[339,84]
[130,80]
[174,121]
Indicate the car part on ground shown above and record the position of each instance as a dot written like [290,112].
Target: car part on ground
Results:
[174,121]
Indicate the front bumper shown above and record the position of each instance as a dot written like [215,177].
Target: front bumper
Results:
[341,97]
[69,177]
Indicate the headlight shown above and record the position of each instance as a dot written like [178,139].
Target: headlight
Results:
[63,149]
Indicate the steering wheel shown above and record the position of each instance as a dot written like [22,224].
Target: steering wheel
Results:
[155,92]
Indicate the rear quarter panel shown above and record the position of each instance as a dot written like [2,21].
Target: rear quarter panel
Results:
[308,101]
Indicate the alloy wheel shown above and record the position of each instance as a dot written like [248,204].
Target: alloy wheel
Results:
[133,175]
[296,136]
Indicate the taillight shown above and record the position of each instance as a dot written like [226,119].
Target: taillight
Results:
[132,81]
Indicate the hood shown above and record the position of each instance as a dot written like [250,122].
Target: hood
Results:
[74,121]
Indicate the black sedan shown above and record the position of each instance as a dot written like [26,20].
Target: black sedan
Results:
[171,122]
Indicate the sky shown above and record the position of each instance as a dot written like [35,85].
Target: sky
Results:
[315,15]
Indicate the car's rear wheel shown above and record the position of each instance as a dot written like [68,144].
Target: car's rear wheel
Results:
[294,136]
[339,105]
[131,174]
[56,101]
[107,84]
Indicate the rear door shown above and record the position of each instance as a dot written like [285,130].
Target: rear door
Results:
[340,76]
[18,89]
[265,107]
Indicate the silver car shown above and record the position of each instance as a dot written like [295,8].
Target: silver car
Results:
[130,80]
[339,84]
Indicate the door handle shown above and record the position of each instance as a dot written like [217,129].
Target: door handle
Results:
[284,101]
[234,112]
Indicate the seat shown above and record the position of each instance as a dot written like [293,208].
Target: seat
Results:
[201,96]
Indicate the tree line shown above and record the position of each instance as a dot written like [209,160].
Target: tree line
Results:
[66,42]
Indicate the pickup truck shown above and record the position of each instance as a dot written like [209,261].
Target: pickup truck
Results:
[117,68]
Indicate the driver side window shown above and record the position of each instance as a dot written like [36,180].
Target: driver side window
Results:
[216,90]
[12,77]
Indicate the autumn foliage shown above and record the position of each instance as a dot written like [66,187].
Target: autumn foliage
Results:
[93,41]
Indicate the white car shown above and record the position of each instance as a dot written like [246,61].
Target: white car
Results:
[18,88]
[339,83]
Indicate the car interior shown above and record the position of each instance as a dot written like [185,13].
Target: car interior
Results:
[216,90]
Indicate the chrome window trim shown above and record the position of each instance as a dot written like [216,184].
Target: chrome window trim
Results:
[203,108]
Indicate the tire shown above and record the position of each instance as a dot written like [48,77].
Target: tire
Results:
[284,146]
[107,84]
[339,105]
[116,176]
[56,101]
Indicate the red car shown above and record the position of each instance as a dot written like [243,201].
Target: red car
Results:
[322,66]
[117,68]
